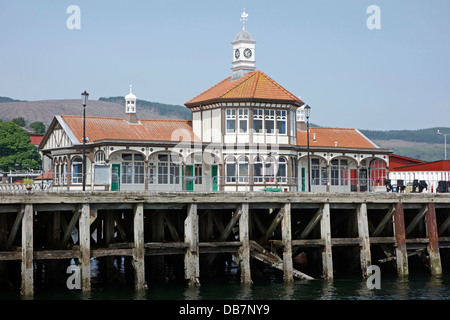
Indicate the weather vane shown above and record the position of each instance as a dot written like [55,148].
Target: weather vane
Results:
[244,17]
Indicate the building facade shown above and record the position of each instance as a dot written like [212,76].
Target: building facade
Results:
[417,175]
[247,133]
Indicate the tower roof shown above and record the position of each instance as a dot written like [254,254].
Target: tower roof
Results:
[244,36]
[254,86]
[130,96]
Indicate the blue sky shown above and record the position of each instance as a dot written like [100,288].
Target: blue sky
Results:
[396,77]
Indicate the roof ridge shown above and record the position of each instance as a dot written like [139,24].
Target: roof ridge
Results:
[80,116]
[332,128]
[240,82]
[255,83]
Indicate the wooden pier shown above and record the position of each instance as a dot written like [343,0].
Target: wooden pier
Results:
[195,233]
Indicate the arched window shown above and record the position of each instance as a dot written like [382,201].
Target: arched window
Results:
[258,171]
[77,170]
[243,169]
[100,157]
[282,169]
[230,169]
[269,169]
[377,172]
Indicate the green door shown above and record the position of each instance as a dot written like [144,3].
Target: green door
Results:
[303,179]
[214,173]
[189,177]
[115,178]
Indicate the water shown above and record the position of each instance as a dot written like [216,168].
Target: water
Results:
[352,287]
[274,298]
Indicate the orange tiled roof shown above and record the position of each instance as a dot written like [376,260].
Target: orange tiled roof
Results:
[254,85]
[334,138]
[105,128]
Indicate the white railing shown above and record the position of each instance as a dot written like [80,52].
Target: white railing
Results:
[178,183]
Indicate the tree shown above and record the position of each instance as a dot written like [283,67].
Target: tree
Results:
[20,121]
[38,127]
[15,148]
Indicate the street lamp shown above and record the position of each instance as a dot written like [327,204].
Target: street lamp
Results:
[307,114]
[445,143]
[84,98]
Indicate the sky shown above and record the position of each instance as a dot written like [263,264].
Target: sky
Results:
[394,76]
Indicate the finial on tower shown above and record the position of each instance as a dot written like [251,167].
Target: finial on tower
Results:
[244,17]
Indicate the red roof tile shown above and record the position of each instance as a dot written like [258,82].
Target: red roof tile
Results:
[36,139]
[254,85]
[334,137]
[105,128]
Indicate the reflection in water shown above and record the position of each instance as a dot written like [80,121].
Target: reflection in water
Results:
[418,286]
[192,293]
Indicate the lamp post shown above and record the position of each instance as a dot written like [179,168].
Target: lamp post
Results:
[84,98]
[445,143]
[307,114]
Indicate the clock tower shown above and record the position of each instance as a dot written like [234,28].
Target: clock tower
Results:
[243,52]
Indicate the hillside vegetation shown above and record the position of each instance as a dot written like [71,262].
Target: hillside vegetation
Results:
[423,144]
[45,110]
[163,109]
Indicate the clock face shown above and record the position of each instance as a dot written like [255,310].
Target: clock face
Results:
[247,53]
[237,54]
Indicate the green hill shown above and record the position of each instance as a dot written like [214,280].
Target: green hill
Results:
[423,144]
[163,109]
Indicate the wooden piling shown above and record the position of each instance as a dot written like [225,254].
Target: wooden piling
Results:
[191,237]
[433,244]
[139,249]
[27,250]
[85,247]
[244,250]
[286,238]
[400,236]
[325,234]
[363,233]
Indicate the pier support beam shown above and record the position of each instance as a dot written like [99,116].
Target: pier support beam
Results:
[85,247]
[325,234]
[400,235]
[191,258]
[244,250]
[286,238]
[138,250]
[27,288]
[433,244]
[363,232]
